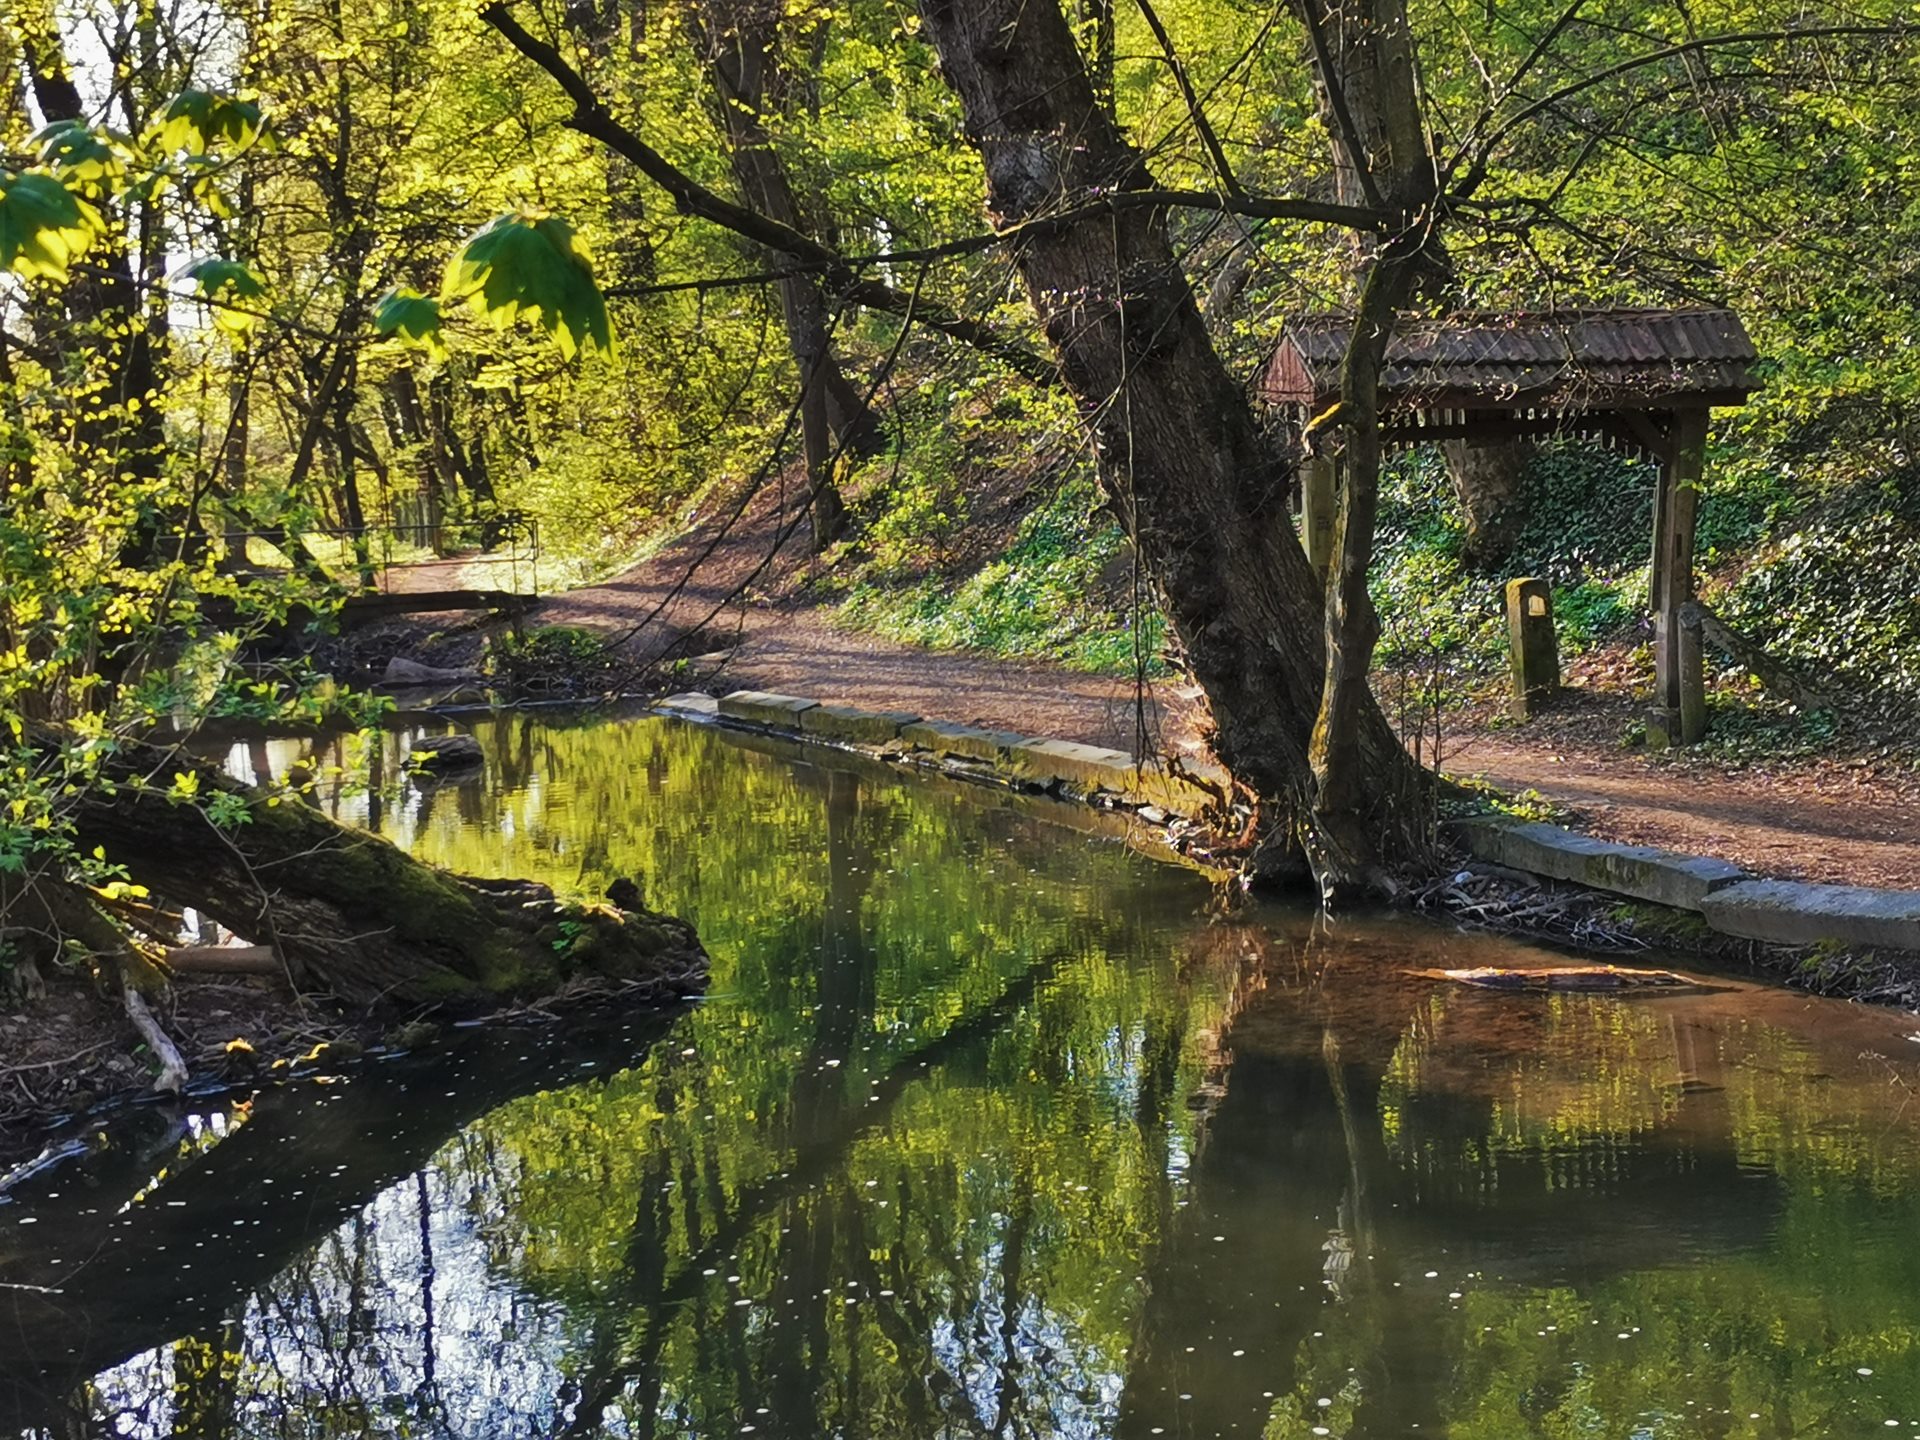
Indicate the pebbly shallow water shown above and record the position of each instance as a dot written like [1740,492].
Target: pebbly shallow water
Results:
[986,1128]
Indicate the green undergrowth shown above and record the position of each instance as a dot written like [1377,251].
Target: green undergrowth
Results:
[554,658]
[1818,565]
[982,529]
[1053,594]
[1588,532]
[1470,796]
[1840,595]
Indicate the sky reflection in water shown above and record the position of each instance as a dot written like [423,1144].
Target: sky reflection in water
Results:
[986,1129]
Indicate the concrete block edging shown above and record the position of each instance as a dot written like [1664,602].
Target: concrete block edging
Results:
[1728,898]
[1091,772]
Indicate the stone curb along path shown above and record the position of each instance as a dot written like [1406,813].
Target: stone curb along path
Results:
[1729,899]
[1726,897]
[1159,792]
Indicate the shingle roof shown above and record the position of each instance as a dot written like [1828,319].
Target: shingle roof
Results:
[1565,357]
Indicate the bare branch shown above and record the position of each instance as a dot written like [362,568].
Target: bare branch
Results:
[1342,113]
[841,272]
[1198,115]
[591,118]
[1540,48]
[1697,46]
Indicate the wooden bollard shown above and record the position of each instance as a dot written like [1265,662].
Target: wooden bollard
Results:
[1535,652]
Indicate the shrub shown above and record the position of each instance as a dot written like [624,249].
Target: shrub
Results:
[564,659]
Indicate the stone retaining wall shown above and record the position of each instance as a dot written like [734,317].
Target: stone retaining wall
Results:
[1729,899]
[1159,790]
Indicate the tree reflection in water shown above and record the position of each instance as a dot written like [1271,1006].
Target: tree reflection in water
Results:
[985,1130]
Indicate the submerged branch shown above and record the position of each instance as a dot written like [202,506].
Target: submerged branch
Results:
[173,1070]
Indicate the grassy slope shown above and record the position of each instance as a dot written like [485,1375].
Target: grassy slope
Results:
[983,530]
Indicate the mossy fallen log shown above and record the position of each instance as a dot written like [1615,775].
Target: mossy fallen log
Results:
[350,913]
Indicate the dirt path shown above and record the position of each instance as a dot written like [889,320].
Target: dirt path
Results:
[1831,820]
[685,601]
[423,576]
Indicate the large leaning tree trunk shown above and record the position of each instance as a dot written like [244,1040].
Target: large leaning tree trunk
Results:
[1201,495]
[351,914]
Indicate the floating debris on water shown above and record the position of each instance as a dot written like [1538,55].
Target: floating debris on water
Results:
[1565,977]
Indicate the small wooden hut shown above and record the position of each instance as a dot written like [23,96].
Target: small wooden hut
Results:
[1639,381]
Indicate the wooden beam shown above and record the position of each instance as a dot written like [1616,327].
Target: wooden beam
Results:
[1420,431]
[417,602]
[1645,431]
[1566,400]
[1319,497]
[225,960]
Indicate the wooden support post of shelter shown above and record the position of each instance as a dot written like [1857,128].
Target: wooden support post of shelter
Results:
[1638,381]
[1319,498]
[1679,714]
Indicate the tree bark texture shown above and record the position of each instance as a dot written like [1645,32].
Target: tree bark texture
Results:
[1344,845]
[1487,476]
[351,913]
[741,39]
[1365,85]
[1180,455]
[1369,101]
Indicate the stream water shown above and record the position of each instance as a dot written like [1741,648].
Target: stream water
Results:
[987,1128]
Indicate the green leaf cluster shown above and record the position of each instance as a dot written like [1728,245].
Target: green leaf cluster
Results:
[530,265]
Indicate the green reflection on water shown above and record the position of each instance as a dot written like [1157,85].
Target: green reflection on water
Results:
[986,1128]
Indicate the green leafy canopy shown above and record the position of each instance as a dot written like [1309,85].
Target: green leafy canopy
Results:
[195,120]
[78,153]
[528,263]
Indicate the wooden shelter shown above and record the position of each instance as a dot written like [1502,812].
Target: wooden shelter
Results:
[1639,381]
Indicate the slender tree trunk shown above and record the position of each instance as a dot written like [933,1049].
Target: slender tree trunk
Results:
[468,461]
[1180,454]
[741,42]
[233,458]
[1370,103]
[1345,843]
[109,329]
[1365,84]
[1370,107]
[825,508]
[348,478]
[407,426]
